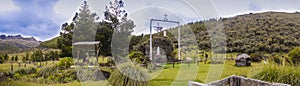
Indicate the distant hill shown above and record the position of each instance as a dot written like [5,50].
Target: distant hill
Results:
[52,43]
[260,32]
[17,43]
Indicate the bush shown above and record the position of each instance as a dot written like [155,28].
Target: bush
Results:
[25,71]
[138,57]
[279,74]
[65,63]
[294,55]
[275,58]
[121,77]
[105,61]
[47,71]
[17,76]
[256,57]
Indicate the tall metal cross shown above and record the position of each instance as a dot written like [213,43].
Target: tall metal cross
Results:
[166,17]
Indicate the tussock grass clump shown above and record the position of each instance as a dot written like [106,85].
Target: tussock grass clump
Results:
[122,77]
[279,74]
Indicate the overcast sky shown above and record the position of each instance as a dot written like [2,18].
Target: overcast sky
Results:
[43,18]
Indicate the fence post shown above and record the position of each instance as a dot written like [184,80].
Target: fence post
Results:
[11,67]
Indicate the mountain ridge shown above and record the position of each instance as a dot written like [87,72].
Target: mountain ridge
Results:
[10,43]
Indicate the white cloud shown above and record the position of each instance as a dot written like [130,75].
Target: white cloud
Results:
[7,6]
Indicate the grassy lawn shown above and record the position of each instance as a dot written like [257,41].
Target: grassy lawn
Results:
[172,76]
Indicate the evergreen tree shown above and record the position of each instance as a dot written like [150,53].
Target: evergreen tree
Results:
[115,23]
[16,59]
[85,26]
[6,57]
[26,57]
[12,58]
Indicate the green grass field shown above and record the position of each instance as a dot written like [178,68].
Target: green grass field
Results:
[169,76]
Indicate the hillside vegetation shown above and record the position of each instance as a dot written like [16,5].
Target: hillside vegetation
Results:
[50,43]
[260,32]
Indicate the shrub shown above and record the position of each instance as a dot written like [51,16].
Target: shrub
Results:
[279,74]
[105,61]
[138,57]
[121,77]
[26,71]
[294,55]
[47,71]
[256,57]
[17,76]
[65,63]
[275,59]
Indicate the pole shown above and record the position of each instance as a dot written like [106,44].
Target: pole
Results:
[179,41]
[151,39]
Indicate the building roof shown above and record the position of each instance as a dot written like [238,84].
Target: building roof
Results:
[242,56]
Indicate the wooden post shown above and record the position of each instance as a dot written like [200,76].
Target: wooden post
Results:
[173,64]
[11,67]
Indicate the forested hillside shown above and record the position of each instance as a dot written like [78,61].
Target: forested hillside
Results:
[260,32]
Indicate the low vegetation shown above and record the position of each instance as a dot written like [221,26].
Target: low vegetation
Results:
[279,74]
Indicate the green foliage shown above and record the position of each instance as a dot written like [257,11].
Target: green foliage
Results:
[26,57]
[51,43]
[25,71]
[121,77]
[84,24]
[294,55]
[52,74]
[105,61]
[5,57]
[262,32]
[37,56]
[255,57]
[65,63]
[47,71]
[279,74]
[158,41]
[137,57]
[2,60]
[275,58]
[16,58]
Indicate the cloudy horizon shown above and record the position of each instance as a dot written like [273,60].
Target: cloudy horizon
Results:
[42,18]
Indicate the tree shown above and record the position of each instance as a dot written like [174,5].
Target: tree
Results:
[6,57]
[84,24]
[12,58]
[26,57]
[82,28]
[37,56]
[16,59]
[65,40]
[116,18]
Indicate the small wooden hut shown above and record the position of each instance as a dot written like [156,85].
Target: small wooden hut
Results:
[243,60]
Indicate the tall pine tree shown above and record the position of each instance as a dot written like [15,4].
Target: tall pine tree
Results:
[115,22]
[85,25]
